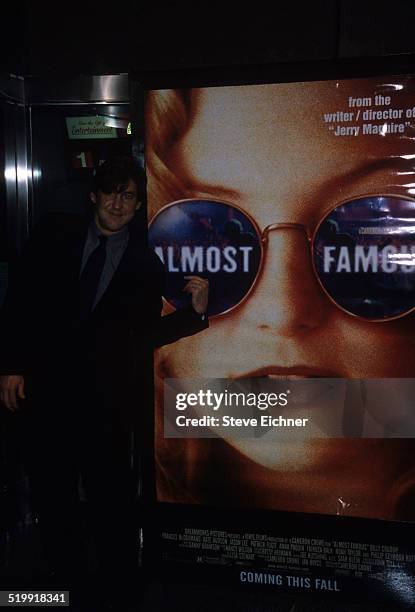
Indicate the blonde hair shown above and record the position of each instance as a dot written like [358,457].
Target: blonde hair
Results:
[167,116]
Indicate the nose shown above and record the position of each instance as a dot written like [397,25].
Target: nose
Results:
[287,299]
[116,201]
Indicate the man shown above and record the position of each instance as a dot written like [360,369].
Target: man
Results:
[80,321]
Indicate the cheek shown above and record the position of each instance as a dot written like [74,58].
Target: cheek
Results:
[377,349]
[104,209]
[205,355]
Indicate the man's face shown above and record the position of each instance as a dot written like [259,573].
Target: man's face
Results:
[113,211]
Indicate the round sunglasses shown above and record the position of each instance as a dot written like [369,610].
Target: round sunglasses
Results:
[362,251]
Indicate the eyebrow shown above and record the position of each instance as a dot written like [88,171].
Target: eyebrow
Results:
[396,162]
[387,164]
[200,190]
[334,183]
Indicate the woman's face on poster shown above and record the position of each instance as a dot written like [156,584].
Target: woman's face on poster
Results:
[271,151]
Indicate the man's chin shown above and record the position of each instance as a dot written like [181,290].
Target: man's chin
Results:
[112,225]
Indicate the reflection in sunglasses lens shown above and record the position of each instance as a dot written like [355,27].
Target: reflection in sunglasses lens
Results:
[364,255]
[213,240]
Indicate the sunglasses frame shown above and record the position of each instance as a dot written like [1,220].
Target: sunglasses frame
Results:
[311,237]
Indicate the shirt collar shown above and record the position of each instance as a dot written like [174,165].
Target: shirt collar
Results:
[115,240]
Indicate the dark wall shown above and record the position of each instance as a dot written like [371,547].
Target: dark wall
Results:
[92,38]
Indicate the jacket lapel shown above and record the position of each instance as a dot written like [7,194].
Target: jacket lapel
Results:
[125,277]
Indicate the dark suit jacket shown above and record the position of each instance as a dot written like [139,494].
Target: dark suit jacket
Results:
[109,356]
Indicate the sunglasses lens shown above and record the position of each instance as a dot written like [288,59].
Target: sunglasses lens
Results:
[210,239]
[364,255]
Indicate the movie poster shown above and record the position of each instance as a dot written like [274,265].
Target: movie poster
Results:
[297,202]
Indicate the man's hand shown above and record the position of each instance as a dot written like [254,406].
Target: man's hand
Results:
[199,289]
[11,388]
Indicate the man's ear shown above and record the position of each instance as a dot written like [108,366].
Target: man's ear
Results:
[138,205]
[93,197]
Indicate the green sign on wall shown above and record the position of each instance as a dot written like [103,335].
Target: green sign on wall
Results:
[89,128]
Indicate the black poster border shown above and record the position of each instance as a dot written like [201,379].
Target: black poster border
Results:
[171,563]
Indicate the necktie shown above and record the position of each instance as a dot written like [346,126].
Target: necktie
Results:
[90,277]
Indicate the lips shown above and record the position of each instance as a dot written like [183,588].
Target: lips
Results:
[308,386]
[296,372]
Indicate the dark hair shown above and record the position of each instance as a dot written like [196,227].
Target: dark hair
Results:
[114,174]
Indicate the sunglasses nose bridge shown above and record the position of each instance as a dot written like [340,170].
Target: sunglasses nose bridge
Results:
[282,226]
